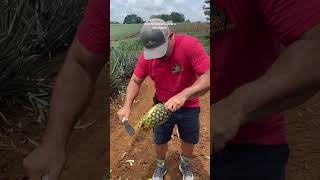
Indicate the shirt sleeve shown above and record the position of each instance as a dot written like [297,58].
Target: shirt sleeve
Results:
[93,31]
[289,19]
[197,55]
[141,70]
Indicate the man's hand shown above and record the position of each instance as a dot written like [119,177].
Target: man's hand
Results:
[176,102]
[124,112]
[226,118]
[198,88]
[45,160]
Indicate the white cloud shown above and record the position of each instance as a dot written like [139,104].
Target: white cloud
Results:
[178,1]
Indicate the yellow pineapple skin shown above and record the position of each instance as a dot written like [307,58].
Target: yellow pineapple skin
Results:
[154,117]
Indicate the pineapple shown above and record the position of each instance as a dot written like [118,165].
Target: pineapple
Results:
[154,117]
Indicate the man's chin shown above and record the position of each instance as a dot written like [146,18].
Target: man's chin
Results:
[163,57]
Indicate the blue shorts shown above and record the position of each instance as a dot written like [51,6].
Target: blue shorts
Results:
[187,120]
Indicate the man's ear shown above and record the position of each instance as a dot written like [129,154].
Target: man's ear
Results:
[171,35]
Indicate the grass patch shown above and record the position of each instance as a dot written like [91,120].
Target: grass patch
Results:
[123,31]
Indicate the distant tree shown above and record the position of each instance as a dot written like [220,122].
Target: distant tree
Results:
[174,17]
[164,17]
[133,19]
[188,21]
[206,9]
[114,22]
[177,17]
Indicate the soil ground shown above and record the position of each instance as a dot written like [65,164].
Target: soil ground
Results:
[87,155]
[303,125]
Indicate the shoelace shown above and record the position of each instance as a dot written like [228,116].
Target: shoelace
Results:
[159,171]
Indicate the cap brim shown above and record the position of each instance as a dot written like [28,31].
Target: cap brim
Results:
[157,52]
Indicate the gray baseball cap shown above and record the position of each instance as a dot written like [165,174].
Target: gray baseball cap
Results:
[154,35]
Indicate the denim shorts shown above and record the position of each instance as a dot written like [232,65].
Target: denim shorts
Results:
[187,120]
[250,162]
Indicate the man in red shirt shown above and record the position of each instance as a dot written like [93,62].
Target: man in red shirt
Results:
[72,92]
[180,68]
[266,59]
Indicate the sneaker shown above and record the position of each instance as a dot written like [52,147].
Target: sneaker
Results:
[159,172]
[186,171]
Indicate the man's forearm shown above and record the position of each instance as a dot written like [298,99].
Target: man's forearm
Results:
[71,95]
[279,106]
[131,93]
[293,78]
[199,87]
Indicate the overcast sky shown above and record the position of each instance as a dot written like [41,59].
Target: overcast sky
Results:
[192,9]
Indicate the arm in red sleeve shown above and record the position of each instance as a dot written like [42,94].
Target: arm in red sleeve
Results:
[294,77]
[197,55]
[94,29]
[289,19]
[141,70]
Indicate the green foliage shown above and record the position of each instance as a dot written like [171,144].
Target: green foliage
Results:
[204,37]
[123,58]
[165,17]
[31,32]
[177,17]
[132,19]
[174,17]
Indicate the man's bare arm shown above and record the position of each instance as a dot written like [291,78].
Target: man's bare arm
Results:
[291,80]
[132,90]
[72,92]
[199,87]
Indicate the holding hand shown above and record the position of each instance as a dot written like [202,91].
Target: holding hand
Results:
[124,113]
[226,119]
[45,160]
[176,102]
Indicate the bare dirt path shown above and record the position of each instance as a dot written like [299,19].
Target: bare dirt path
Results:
[142,152]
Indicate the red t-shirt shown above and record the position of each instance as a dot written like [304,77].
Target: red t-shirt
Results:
[250,43]
[188,58]
[94,29]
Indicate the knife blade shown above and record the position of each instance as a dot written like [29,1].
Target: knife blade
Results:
[128,127]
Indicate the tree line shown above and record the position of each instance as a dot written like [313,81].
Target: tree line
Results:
[135,19]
